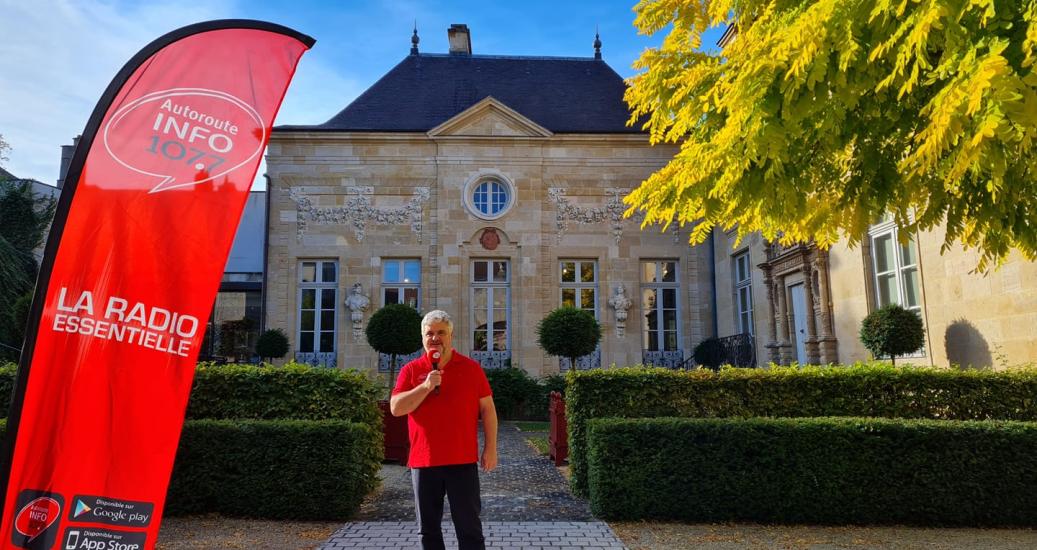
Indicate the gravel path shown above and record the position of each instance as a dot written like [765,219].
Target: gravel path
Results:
[524,487]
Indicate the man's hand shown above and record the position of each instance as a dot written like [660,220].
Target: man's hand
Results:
[489,459]
[434,378]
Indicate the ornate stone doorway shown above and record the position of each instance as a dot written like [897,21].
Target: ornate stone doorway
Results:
[799,305]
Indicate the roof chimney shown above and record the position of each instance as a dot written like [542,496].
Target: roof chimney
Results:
[66,159]
[460,39]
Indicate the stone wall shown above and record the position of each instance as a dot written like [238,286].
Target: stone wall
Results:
[358,198]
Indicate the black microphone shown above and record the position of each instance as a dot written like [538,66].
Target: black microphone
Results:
[433,357]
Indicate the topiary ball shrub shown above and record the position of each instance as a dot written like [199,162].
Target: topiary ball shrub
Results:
[394,330]
[891,331]
[272,344]
[709,353]
[569,332]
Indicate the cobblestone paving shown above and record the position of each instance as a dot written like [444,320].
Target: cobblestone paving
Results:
[526,504]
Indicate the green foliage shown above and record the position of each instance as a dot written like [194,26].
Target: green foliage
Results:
[823,114]
[814,470]
[234,339]
[26,216]
[541,444]
[272,344]
[515,393]
[569,332]
[866,390]
[892,330]
[394,330]
[709,353]
[293,391]
[8,370]
[274,469]
[12,326]
[292,442]
[518,396]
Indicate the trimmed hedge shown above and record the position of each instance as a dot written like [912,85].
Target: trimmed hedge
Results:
[867,390]
[519,396]
[292,442]
[293,391]
[274,469]
[814,470]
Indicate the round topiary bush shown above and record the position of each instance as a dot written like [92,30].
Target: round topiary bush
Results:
[272,344]
[569,332]
[394,330]
[891,331]
[709,353]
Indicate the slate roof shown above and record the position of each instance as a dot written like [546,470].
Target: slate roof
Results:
[562,94]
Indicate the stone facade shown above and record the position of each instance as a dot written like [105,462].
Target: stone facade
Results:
[970,319]
[361,198]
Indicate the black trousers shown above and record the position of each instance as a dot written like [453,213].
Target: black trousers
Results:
[460,484]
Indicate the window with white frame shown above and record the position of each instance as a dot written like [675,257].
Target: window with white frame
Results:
[659,304]
[895,267]
[579,288]
[743,293]
[491,306]
[401,282]
[318,297]
[489,196]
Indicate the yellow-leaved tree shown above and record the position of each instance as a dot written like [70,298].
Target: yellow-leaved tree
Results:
[821,115]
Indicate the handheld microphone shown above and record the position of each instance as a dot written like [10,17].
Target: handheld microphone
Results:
[433,357]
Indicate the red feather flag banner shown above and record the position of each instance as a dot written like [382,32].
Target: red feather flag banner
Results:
[133,262]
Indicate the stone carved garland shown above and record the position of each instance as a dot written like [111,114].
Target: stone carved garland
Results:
[358,211]
[612,211]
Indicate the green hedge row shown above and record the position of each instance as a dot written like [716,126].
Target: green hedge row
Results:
[519,396]
[292,391]
[814,470]
[866,390]
[249,391]
[292,442]
[274,469]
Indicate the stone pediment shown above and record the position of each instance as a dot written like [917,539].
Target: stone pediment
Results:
[489,118]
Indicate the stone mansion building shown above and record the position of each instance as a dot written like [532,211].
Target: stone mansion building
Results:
[491,187]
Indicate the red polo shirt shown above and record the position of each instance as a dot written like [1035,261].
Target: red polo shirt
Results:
[444,428]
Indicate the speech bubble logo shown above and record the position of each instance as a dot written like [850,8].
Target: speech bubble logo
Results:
[184,136]
[35,517]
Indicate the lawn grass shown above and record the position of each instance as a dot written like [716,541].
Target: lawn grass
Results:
[531,426]
[540,444]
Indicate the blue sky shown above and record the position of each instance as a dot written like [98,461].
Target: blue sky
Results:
[57,56]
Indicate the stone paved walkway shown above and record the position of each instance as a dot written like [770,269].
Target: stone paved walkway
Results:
[526,504]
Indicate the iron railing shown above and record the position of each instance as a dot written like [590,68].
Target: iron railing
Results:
[317,359]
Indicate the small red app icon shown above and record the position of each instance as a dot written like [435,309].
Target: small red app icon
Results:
[36,516]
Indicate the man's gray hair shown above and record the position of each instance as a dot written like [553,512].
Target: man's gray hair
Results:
[437,316]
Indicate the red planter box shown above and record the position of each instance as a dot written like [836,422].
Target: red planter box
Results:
[558,435]
[397,439]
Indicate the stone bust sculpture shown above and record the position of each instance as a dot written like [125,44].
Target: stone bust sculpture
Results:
[620,303]
[357,304]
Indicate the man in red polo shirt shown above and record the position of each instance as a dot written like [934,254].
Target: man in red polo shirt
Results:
[444,439]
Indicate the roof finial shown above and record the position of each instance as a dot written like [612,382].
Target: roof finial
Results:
[597,44]
[414,40]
